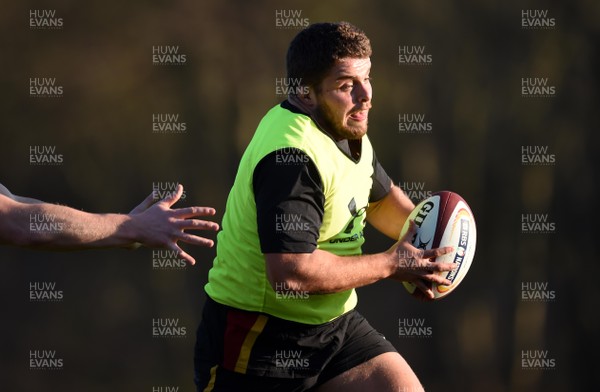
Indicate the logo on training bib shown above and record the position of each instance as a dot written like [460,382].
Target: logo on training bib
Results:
[356,221]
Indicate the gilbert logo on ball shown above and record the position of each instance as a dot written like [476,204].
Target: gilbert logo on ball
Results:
[444,219]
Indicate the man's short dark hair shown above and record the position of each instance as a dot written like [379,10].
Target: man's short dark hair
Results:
[315,49]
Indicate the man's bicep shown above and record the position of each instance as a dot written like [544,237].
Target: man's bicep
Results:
[289,203]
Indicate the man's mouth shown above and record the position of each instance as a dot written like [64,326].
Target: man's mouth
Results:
[359,115]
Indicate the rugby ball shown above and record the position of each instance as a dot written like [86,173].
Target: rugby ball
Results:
[444,219]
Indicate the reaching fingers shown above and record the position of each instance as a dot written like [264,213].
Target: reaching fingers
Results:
[192,212]
[183,254]
[195,240]
[148,201]
[173,198]
[197,224]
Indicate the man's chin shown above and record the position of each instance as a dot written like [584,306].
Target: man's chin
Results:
[355,132]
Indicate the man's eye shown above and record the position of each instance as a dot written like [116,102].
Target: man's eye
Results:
[346,87]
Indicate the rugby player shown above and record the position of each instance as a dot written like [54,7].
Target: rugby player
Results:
[280,309]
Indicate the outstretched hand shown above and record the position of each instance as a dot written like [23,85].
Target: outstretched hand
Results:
[416,266]
[157,225]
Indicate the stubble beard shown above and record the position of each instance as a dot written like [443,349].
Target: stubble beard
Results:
[326,119]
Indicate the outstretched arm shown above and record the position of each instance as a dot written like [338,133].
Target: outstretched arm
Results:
[51,226]
[321,272]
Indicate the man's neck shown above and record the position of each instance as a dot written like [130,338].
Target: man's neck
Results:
[297,102]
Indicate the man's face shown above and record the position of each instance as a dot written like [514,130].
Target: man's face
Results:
[344,99]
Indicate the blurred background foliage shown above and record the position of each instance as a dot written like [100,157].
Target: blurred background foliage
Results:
[470,93]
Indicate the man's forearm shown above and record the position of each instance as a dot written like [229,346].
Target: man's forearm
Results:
[152,223]
[55,226]
[323,272]
[389,214]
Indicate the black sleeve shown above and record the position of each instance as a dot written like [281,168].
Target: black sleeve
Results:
[289,200]
[382,183]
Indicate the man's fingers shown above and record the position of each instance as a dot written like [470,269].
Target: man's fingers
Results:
[433,253]
[196,240]
[435,278]
[410,233]
[192,212]
[183,254]
[419,261]
[440,267]
[144,205]
[174,197]
[197,224]
[425,289]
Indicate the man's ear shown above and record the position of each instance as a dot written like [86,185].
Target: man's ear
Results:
[308,97]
